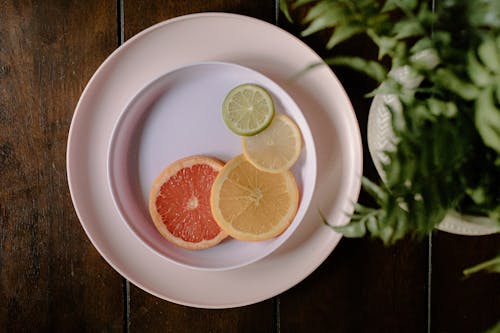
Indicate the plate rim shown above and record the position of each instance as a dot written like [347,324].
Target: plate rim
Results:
[354,182]
[308,142]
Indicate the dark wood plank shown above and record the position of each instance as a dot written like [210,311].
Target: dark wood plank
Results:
[148,313]
[363,286]
[142,14]
[463,304]
[151,314]
[51,277]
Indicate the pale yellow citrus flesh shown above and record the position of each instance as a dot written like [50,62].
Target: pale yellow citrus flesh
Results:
[276,148]
[253,205]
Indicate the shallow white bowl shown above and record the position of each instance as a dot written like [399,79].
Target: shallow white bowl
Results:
[178,115]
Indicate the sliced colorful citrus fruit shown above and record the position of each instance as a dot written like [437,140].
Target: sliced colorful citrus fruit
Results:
[253,205]
[276,148]
[179,203]
[248,109]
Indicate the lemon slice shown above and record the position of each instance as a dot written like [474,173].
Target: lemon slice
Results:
[250,204]
[248,109]
[276,148]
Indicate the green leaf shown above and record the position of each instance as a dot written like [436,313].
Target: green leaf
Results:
[436,206]
[409,169]
[320,9]
[494,329]
[426,16]
[440,108]
[495,213]
[421,115]
[386,233]
[401,225]
[386,45]
[485,13]
[283,5]
[490,55]
[343,32]
[398,122]
[389,5]
[424,162]
[450,81]
[299,3]
[441,40]
[492,265]
[387,226]
[451,110]
[423,43]
[375,191]
[408,28]
[478,194]
[426,59]
[389,86]
[326,19]
[477,72]
[355,229]
[372,226]
[362,209]
[408,4]
[417,212]
[487,119]
[405,4]
[369,67]
[498,92]
[394,172]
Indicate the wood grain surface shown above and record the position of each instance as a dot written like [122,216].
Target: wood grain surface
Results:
[53,280]
[51,277]
[462,304]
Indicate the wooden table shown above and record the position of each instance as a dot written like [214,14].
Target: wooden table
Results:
[52,278]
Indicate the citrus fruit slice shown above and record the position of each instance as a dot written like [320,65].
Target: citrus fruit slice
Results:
[179,203]
[253,205]
[276,148]
[248,109]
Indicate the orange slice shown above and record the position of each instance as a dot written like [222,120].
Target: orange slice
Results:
[253,205]
[179,203]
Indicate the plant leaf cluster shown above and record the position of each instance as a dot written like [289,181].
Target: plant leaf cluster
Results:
[447,153]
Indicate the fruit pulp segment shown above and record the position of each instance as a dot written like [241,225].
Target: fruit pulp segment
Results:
[277,147]
[248,109]
[184,204]
[253,201]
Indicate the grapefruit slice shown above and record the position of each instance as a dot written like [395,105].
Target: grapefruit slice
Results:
[253,205]
[179,203]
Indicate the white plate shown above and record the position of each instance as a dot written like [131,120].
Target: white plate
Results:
[179,115]
[254,44]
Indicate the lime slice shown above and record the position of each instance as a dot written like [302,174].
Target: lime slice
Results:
[248,109]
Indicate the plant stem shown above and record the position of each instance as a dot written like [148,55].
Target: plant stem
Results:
[487,265]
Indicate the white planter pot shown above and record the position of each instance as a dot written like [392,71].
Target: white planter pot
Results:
[381,138]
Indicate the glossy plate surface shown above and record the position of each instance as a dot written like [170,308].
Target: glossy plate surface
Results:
[180,115]
[254,44]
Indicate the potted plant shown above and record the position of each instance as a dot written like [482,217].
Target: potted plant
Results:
[441,68]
